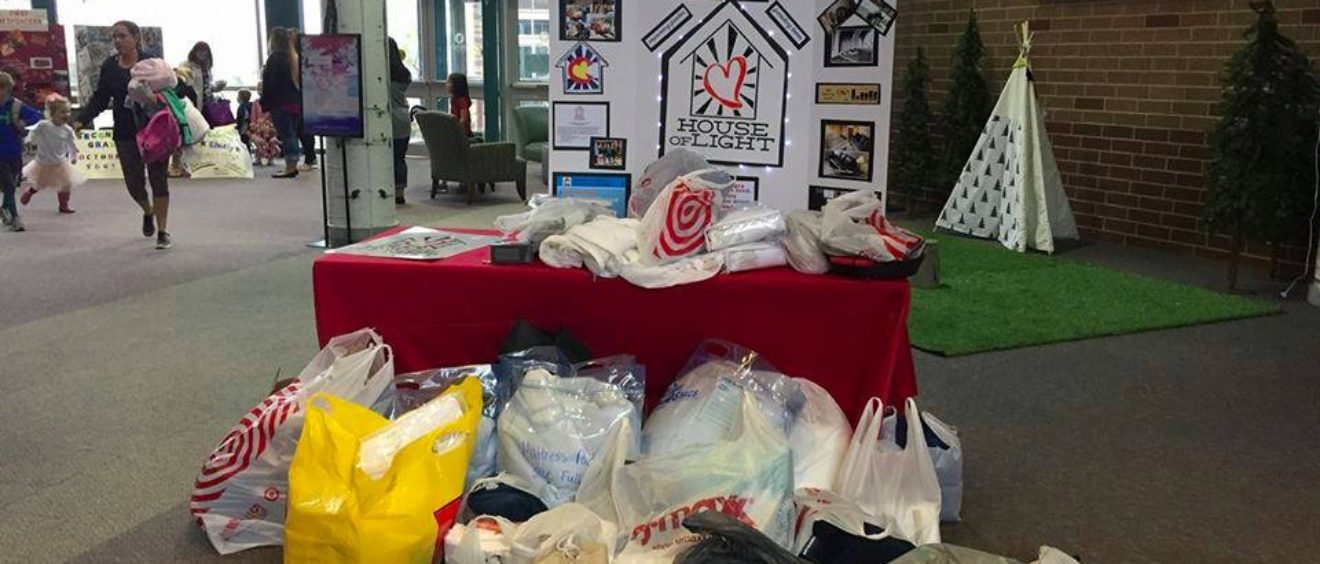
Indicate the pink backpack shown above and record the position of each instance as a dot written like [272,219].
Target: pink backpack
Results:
[160,138]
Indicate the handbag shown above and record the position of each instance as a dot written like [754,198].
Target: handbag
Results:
[218,113]
[160,138]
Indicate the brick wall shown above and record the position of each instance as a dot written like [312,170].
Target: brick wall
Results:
[1130,87]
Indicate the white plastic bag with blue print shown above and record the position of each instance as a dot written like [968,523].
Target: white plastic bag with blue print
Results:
[554,427]
[945,452]
[703,405]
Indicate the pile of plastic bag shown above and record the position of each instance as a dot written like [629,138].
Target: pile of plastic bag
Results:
[536,459]
[852,225]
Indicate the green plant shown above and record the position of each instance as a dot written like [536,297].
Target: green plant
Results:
[911,155]
[966,106]
[1261,173]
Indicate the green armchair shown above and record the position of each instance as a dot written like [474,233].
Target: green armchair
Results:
[532,128]
[454,158]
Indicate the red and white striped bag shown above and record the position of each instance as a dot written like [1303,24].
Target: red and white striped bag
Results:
[241,495]
[675,226]
[855,225]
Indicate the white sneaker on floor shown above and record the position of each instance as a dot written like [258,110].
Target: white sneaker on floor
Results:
[16,225]
[164,241]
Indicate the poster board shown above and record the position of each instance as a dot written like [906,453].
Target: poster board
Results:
[38,61]
[331,72]
[93,45]
[97,157]
[24,20]
[738,83]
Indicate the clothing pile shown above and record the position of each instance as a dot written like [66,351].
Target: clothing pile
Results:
[537,459]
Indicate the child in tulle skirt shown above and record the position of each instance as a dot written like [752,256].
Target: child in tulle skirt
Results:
[265,142]
[56,154]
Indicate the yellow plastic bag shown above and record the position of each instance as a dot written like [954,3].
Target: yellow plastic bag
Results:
[337,513]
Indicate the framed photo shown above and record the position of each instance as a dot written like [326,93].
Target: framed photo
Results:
[575,123]
[590,20]
[818,196]
[786,24]
[878,13]
[852,46]
[848,94]
[583,70]
[609,153]
[746,190]
[667,28]
[608,187]
[836,15]
[331,72]
[847,150]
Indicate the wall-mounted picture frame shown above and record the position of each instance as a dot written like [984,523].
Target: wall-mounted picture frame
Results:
[582,69]
[609,153]
[667,28]
[878,14]
[331,76]
[787,25]
[847,150]
[614,188]
[746,191]
[818,196]
[852,46]
[573,124]
[836,14]
[848,93]
[590,20]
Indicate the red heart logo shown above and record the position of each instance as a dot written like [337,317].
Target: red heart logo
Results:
[726,86]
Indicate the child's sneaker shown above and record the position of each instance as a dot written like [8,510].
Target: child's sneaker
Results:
[5,218]
[16,225]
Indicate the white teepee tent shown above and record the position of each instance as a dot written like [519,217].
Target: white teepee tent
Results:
[1010,188]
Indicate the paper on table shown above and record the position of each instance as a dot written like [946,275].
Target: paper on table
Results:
[419,243]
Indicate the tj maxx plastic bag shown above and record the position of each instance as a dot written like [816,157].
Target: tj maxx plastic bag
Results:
[945,452]
[748,476]
[895,486]
[241,493]
[339,513]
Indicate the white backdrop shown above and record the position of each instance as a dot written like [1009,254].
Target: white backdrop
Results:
[635,86]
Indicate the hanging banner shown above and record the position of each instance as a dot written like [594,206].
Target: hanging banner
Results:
[24,20]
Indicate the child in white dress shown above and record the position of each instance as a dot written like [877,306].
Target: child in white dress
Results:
[56,154]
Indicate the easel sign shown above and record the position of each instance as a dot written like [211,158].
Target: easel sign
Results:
[330,69]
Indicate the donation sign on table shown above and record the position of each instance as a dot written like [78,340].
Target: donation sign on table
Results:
[419,243]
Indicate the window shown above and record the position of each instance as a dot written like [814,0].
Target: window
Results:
[533,40]
[401,21]
[231,32]
[463,30]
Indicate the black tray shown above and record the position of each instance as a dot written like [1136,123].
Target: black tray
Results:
[861,267]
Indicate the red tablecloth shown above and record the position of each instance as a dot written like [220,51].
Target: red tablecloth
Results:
[849,336]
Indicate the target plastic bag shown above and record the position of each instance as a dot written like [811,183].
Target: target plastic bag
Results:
[241,494]
[896,486]
[553,428]
[702,407]
[748,476]
[819,439]
[855,225]
[366,490]
[659,174]
[945,452]
[675,226]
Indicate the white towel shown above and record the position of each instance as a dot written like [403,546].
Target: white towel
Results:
[604,246]
[560,252]
[686,271]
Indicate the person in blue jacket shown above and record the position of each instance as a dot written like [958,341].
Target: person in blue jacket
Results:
[15,117]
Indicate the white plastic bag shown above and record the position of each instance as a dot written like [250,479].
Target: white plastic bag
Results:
[820,505]
[567,527]
[819,439]
[803,244]
[196,121]
[702,407]
[597,491]
[855,225]
[240,497]
[749,477]
[895,486]
[553,428]
[947,455]
[685,271]
[659,174]
[484,540]
[551,216]
[675,226]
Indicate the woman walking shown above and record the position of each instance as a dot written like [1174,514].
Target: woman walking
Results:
[308,142]
[112,93]
[280,97]
[400,118]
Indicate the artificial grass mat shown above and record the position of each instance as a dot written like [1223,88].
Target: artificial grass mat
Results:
[992,298]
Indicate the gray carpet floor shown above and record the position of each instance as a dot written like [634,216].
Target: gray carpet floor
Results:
[122,366]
